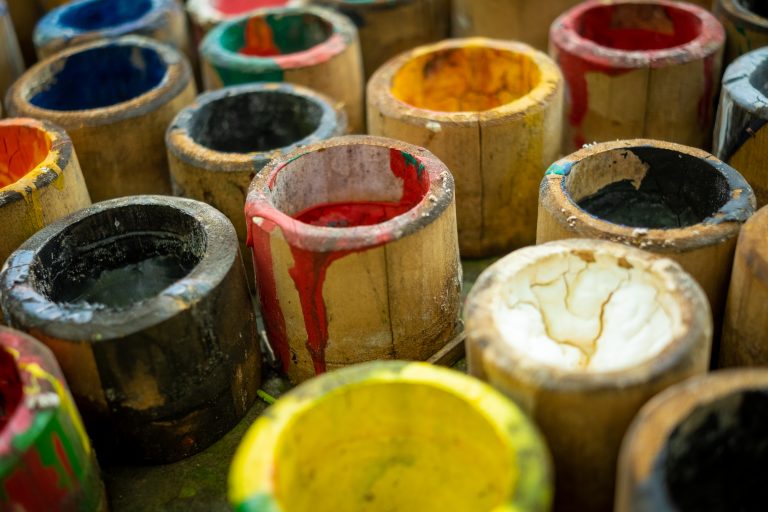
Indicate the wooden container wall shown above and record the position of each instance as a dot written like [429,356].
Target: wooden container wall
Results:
[24,14]
[746,25]
[11,60]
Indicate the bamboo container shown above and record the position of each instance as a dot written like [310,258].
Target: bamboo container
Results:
[40,180]
[47,459]
[744,341]
[581,333]
[355,253]
[700,445]
[662,197]
[746,25]
[467,447]
[217,145]
[115,99]
[144,302]
[309,46]
[526,21]
[24,15]
[83,21]
[638,68]
[465,100]
[11,61]
[389,27]
[739,137]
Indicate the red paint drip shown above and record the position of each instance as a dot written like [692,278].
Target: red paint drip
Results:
[348,215]
[235,7]
[33,486]
[259,39]
[310,267]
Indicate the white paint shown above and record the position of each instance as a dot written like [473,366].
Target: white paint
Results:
[596,316]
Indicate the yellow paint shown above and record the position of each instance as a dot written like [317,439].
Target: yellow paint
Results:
[392,436]
[465,79]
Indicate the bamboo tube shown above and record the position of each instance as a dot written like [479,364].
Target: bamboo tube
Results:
[638,68]
[309,46]
[355,253]
[465,100]
[389,27]
[47,459]
[40,180]
[700,445]
[739,136]
[581,333]
[24,14]
[83,21]
[526,21]
[217,145]
[662,197]
[467,447]
[144,302]
[746,25]
[11,61]
[744,341]
[115,99]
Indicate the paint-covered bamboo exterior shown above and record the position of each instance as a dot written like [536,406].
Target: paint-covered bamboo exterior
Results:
[40,180]
[46,459]
[704,246]
[432,97]
[635,69]
[83,21]
[526,21]
[11,60]
[741,139]
[746,25]
[166,359]
[584,413]
[390,27]
[344,289]
[310,46]
[745,340]
[115,99]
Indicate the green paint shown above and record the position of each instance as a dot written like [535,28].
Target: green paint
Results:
[266,397]
[297,33]
[559,168]
[259,503]
[411,161]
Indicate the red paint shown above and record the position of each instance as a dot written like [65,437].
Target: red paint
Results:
[235,7]
[259,39]
[35,486]
[311,266]
[348,215]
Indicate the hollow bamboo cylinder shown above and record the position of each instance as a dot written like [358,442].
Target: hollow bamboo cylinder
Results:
[115,99]
[740,139]
[40,180]
[11,61]
[206,14]
[662,197]
[526,21]
[744,341]
[82,21]
[746,25]
[24,14]
[700,445]
[47,459]
[467,447]
[638,68]
[217,145]
[581,333]
[145,304]
[355,253]
[465,100]
[309,46]
[389,27]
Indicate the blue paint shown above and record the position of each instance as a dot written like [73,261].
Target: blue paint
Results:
[91,15]
[561,168]
[101,77]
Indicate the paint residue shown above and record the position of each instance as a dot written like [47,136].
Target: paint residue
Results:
[259,39]
[347,215]
[22,148]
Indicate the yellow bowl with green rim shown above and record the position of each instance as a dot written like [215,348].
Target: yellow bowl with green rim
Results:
[392,436]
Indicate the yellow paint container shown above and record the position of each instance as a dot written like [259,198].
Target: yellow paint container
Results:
[392,436]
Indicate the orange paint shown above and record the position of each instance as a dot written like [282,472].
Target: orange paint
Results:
[259,39]
[22,149]
[469,79]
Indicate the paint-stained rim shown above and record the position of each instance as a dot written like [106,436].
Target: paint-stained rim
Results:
[379,89]
[565,38]
[180,143]
[737,82]
[51,29]
[205,14]
[45,172]
[343,33]
[251,476]
[177,77]
[481,329]
[23,303]
[738,14]
[723,224]
[653,425]
[436,200]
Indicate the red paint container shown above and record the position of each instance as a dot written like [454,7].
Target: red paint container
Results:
[638,68]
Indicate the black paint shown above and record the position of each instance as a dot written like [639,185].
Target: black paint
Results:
[759,7]
[678,190]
